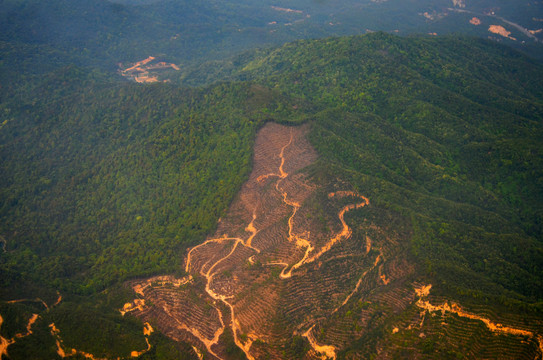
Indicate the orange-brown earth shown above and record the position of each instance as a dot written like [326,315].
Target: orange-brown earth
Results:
[5,343]
[454,308]
[290,260]
[522,333]
[475,21]
[62,350]
[282,260]
[500,30]
[145,71]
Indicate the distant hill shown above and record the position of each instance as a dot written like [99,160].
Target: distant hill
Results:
[103,33]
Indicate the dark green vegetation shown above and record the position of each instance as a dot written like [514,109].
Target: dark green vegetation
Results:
[102,180]
[102,34]
[452,142]
[114,182]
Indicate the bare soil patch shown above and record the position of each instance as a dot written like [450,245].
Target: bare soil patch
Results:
[288,261]
[500,30]
[272,261]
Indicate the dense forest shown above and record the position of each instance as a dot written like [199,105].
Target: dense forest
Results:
[105,180]
[97,33]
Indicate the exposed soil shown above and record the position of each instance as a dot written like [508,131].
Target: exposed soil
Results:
[265,271]
[329,351]
[287,261]
[63,351]
[29,300]
[59,299]
[446,307]
[147,331]
[146,71]
[500,30]
[287,10]
[475,21]
[295,257]
[5,343]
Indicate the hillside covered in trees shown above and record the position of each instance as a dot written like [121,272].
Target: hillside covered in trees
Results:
[106,181]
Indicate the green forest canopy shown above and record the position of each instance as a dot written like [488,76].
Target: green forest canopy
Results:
[104,180]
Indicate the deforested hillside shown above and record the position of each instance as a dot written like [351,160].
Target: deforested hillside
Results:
[437,135]
[459,131]
[351,197]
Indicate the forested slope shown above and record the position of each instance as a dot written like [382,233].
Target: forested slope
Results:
[116,179]
[448,127]
[102,33]
[104,181]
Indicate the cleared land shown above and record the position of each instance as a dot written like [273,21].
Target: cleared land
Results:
[270,259]
[288,262]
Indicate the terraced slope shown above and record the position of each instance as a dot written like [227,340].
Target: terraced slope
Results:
[428,172]
[260,273]
[286,276]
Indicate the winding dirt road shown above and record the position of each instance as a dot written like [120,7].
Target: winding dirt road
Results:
[62,351]
[5,343]
[268,225]
[283,262]
[424,290]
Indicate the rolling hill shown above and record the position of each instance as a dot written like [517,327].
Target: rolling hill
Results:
[346,197]
[100,33]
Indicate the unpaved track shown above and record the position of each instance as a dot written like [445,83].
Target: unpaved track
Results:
[272,259]
[267,225]
[55,332]
[5,343]
[275,260]
[424,290]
